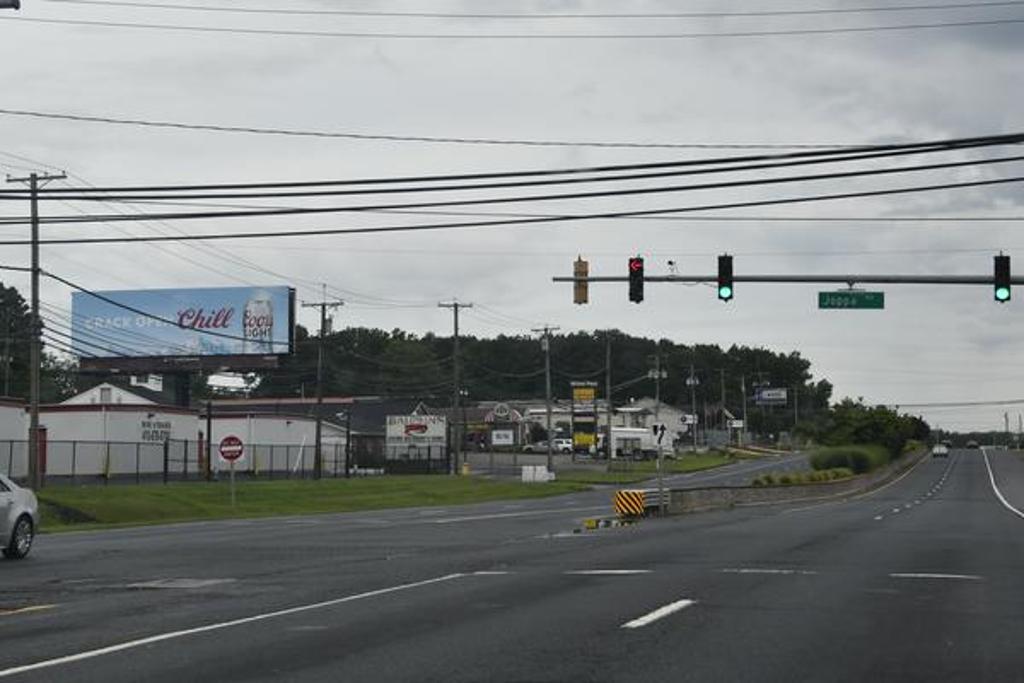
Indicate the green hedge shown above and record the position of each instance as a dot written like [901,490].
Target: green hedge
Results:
[859,459]
[809,477]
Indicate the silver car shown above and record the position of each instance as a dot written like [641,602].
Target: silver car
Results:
[19,518]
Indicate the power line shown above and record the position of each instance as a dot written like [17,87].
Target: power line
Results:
[165,197]
[523,221]
[600,194]
[543,15]
[940,145]
[515,36]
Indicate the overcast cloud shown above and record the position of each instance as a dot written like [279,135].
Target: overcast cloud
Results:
[929,345]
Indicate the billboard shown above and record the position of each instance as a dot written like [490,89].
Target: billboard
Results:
[771,397]
[157,329]
[414,436]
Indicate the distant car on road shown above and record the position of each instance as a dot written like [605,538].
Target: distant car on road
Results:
[19,517]
[940,451]
[558,446]
[972,444]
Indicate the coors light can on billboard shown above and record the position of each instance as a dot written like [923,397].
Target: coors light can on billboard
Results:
[258,324]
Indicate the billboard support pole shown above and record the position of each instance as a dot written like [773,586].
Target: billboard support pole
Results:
[35,474]
[207,464]
[318,461]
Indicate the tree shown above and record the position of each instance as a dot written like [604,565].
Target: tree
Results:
[15,333]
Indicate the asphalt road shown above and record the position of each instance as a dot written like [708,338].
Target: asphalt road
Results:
[918,581]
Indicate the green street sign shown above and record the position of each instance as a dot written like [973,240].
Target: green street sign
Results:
[845,299]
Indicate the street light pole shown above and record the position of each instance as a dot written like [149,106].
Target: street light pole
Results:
[10,4]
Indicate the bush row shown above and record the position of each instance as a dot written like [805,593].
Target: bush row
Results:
[808,477]
[859,459]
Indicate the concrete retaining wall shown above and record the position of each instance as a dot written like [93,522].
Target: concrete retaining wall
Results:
[698,499]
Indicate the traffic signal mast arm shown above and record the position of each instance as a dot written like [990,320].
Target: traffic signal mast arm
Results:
[810,279]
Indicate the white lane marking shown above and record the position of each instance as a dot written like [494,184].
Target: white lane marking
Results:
[999,494]
[759,570]
[659,613]
[906,505]
[606,572]
[181,584]
[25,610]
[895,510]
[878,517]
[141,642]
[929,575]
[504,515]
[491,573]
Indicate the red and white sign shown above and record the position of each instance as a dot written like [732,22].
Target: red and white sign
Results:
[231,448]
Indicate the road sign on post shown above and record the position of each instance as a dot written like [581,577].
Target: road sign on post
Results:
[851,299]
[231,449]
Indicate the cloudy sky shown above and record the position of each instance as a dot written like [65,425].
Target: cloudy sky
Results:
[928,345]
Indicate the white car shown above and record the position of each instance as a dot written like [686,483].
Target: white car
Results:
[563,445]
[940,451]
[19,518]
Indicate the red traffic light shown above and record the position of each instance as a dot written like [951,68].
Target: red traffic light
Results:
[636,264]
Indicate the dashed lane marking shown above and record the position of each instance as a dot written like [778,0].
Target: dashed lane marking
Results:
[606,572]
[25,610]
[930,575]
[659,613]
[767,570]
[878,517]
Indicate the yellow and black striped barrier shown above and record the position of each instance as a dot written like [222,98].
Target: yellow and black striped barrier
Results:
[630,502]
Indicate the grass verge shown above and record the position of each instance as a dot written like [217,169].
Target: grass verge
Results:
[859,458]
[80,507]
[804,477]
[635,472]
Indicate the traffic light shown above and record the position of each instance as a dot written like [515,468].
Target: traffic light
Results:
[1001,278]
[636,279]
[725,277]
[580,288]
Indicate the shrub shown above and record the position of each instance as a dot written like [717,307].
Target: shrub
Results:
[859,459]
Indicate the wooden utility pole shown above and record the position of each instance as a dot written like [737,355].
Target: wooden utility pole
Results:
[318,460]
[457,434]
[35,180]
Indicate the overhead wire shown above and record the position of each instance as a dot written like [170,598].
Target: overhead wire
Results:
[389,35]
[529,221]
[420,14]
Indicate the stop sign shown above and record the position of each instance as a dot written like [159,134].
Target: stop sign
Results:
[231,448]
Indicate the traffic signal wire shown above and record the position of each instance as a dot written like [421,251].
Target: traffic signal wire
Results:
[523,221]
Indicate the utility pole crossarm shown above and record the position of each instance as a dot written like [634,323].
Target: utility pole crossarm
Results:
[849,279]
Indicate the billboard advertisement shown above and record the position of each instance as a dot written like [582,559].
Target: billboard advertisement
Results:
[413,436]
[183,323]
[771,397]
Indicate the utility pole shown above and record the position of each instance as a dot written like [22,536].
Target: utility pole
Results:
[721,379]
[1006,422]
[34,181]
[7,350]
[546,345]
[608,393]
[457,393]
[318,460]
[692,381]
[743,390]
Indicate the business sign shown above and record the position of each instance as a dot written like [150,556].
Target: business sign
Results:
[584,415]
[503,437]
[735,424]
[771,397]
[182,323]
[405,433]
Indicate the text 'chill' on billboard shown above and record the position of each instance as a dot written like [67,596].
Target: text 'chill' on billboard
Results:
[252,325]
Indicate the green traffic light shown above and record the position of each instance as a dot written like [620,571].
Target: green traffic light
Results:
[725,292]
[1002,293]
